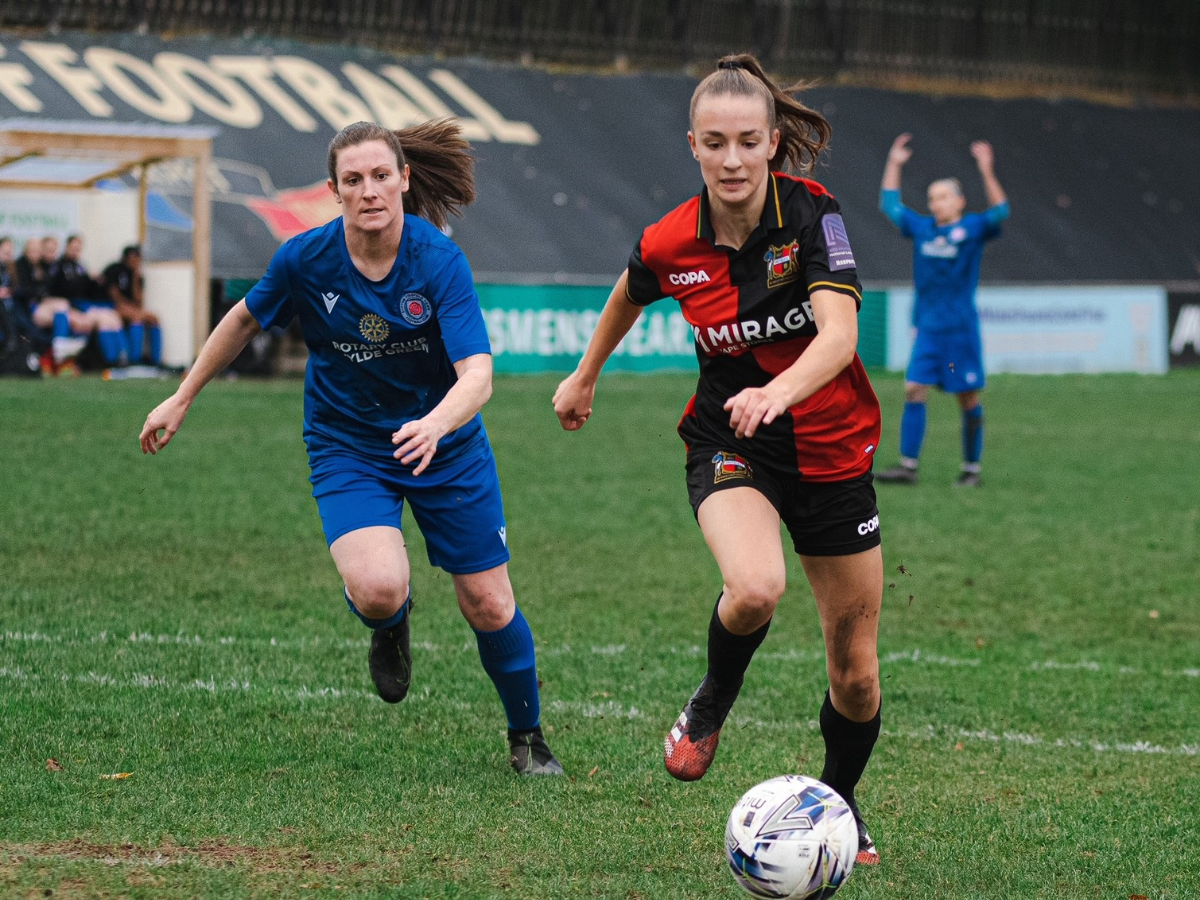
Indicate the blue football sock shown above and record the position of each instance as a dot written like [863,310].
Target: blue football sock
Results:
[62,325]
[394,619]
[508,658]
[135,333]
[112,345]
[155,345]
[972,434]
[912,429]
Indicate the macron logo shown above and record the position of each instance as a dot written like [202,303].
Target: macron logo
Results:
[503,532]
[330,299]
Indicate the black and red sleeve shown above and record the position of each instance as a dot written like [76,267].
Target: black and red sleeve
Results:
[643,287]
[828,258]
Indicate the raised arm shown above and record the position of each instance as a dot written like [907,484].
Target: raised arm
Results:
[986,160]
[228,339]
[573,399]
[889,189]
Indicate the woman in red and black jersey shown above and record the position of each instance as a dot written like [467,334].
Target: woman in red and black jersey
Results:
[784,423]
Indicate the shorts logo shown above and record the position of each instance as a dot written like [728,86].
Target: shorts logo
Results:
[503,532]
[870,525]
[727,466]
[373,328]
[782,264]
[415,309]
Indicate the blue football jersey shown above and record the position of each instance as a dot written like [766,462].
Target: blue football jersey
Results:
[381,353]
[946,262]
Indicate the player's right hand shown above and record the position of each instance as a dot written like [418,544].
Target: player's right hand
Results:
[167,417]
[900,152]
[573,401]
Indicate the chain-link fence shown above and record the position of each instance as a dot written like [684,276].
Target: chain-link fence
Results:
[1092,44]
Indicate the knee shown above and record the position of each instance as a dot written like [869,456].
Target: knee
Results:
[855,686]
[151,320]
[108,320]
[753,600]
[378,596]
[915,393]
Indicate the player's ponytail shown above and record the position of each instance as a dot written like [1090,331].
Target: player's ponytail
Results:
[803,132]
[441,176]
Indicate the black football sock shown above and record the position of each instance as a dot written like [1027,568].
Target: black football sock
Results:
[848,746]
[729,655]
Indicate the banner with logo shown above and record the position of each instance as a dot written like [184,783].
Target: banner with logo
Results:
[1055,330]
[1183,328]
[545,328]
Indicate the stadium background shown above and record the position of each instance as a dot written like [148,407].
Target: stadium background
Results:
[1091,107]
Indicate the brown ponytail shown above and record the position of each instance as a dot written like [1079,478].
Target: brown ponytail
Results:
[803,132]
[442,171]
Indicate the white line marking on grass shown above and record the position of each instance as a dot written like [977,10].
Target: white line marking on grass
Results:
[915,656]
[609,710]
[918,656]
[609,650]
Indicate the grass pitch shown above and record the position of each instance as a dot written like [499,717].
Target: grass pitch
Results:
[179,619]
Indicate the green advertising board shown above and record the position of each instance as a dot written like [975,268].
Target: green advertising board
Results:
[545,328]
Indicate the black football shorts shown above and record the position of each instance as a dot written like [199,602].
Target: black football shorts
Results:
[830,518]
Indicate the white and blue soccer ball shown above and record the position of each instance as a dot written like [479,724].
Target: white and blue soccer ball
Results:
[791,838]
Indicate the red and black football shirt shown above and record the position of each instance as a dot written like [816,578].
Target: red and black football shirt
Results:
[751,318]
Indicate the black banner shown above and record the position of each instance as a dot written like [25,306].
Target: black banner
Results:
[572,166]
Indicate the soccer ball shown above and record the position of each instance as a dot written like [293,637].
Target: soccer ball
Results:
[791,838]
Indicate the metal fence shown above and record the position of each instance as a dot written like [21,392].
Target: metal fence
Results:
[1095,44]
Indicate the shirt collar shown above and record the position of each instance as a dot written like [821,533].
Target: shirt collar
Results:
[772,214]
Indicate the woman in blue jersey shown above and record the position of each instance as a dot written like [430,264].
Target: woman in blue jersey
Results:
[399,367]
[947,350]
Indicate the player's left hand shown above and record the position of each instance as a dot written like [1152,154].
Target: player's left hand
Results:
[753,407]
[418,440]
[984,156]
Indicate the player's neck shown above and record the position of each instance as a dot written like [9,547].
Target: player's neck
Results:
[733,224]
[374,252]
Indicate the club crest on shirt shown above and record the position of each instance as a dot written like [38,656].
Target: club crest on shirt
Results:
[373,328]
[729,465]
[415,309]
[782,264]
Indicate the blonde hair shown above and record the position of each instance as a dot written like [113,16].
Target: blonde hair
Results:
[442,171]
[803,132]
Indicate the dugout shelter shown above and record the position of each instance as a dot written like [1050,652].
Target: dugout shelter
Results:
[45,158]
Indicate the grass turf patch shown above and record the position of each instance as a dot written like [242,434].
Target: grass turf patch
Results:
[179,619]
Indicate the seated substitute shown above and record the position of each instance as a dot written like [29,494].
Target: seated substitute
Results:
[123,285]
[67,280]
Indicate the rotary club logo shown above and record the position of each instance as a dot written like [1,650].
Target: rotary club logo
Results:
[373,328]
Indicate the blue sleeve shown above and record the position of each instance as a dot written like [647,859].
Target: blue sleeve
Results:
[464,332]
[900,215]
[270,300]
[993,216]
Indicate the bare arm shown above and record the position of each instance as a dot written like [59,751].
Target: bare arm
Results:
[985,158]
[828,354]
[418,439]
[228,339]
[898,155]
[573,399]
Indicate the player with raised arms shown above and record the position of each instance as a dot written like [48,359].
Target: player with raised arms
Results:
[399,367]
[784,423]
[947,350]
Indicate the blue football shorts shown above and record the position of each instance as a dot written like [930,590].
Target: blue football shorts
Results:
[952,360]
[456,504]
